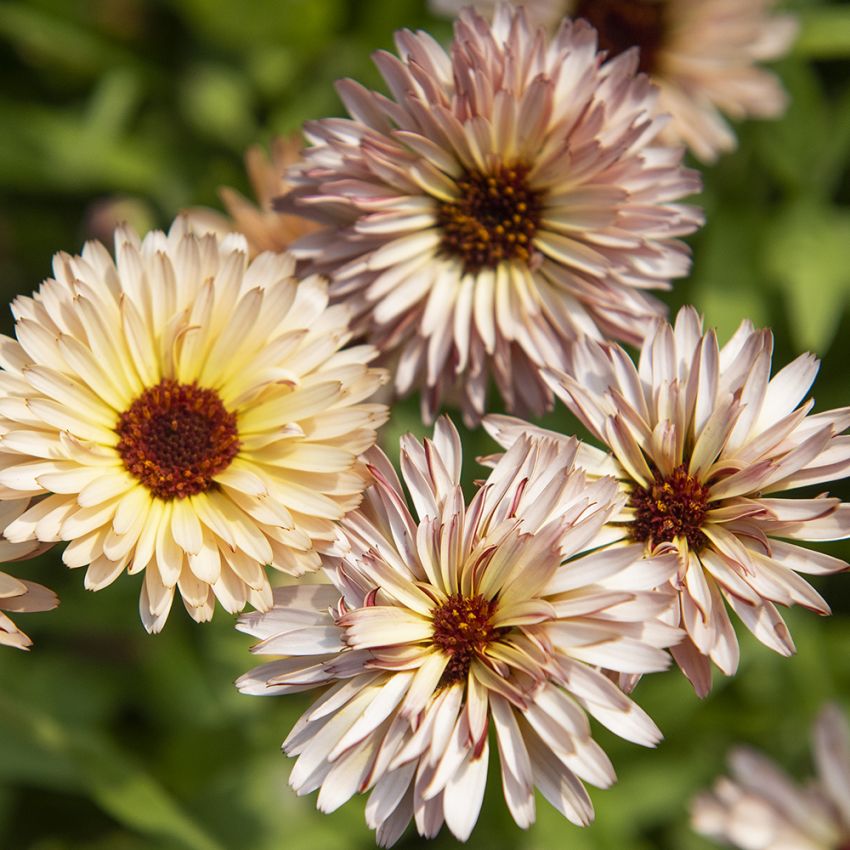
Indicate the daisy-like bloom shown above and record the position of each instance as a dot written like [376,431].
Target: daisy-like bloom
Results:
[437,629]
[18,595]
[704,444]
[505,198]
[761,808]
[702,54]
[183,412]
[265,228]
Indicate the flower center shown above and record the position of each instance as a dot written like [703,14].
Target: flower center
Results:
[671,507]
[622,24]
[494,218]
[462,630]
[176,437]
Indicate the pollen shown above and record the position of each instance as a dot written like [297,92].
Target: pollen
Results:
[493,219]
[462,630]
[622,24]
[671,507]
[175,438]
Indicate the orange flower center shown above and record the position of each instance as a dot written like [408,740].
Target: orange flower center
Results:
[622,24]
[493,219]
[176,437]
[462,630]
[671,507]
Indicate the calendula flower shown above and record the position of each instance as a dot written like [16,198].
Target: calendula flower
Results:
[16,596]
[493,614]
[702,54]
[19,595]
[183,412]
[761,808]
[705,444]
[505,198]
[263,227]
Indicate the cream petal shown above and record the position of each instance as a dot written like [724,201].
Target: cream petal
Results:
[185,526]
[464,795]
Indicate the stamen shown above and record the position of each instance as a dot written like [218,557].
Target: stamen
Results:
[494,218]
[462,630]
[671,507]
[176,437]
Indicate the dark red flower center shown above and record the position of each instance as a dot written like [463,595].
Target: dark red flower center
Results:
[670,507]
[622,24]
[493,219]
[176,437]
[462,630]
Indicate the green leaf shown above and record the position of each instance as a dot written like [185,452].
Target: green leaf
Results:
[824,33]
[218,101]
[725,283]
[793,147]
[807,256]
[303,23]
[56,40]
[111,778]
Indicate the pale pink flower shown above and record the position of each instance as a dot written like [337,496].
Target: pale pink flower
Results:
[702,54]
[19,595]
[495,613]
[504,199]
[705,443]
[185,413]
[264,228]
[761,808]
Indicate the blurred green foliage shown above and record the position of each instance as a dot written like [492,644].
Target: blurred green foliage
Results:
[114,740]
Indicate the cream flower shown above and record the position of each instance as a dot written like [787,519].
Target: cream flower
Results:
[495,613]
[506,198]
[182,412]
[704,443]
[702,54]
[263,227]
[761,808]
[18,595]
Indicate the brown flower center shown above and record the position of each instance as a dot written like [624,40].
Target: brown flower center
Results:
[462,629]
[494,218]
[622,24]
[670,507]
[176,437]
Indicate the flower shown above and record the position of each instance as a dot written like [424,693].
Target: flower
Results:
[505,198]
[496,612]
[761,808]
[263,227]
[704,442]
[702,54]
[18,595]
[182,412]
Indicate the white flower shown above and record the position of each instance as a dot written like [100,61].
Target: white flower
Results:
[702,54]
[506,198]
[761,808]
[185,413]
[705,443]
[492,614]
[19,595]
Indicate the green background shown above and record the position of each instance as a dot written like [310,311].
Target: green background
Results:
[114,740]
